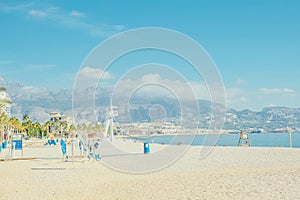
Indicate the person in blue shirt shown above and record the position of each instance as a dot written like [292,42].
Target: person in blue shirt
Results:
[96,151]
[64,148]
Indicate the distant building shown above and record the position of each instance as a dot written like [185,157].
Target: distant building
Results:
[5,101]
[56,118]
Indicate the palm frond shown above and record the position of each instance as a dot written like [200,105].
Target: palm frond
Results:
[2,89]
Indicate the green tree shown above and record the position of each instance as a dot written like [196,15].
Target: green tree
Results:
[46,128]
[64,128]
[26,117]
[15,124]
[27,124]
[83,126]
[29,128]
[72,129]
[36,129]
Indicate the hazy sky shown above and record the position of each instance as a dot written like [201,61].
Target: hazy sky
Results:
[255,44]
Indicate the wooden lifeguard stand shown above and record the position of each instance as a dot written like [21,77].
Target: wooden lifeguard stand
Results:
[244,139]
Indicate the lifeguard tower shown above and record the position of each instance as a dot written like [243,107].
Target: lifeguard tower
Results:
[244,139]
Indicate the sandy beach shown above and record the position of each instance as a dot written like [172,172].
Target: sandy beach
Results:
[225,173]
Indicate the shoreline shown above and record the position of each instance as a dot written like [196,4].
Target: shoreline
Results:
[204,133]
[276,140]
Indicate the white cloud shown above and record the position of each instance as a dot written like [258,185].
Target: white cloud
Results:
[94,73]
[76,13]
[282,91]
[89,77]
[256,99]
[243,99]
[34,89]
[236,97]
[75,20]
[150,77]
[152,85]
[239,81]
[10,8]
[37,13]
[288,90]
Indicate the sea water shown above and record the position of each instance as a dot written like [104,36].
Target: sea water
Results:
[256,139]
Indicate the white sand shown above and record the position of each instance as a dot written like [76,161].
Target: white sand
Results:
[226,173]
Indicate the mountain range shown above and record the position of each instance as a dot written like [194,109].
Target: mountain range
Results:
[38,102]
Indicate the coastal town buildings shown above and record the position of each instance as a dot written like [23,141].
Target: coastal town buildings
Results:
[5,102]
[59,122]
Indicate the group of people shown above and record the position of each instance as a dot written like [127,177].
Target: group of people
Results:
[89,148]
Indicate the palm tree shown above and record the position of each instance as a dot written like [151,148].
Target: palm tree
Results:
[18,125]
[5,101]
[64,127]
[26,117]
[37,128]
[45,128]
[83,126]
[15,124]
[78,127]
[72,129]
[27,125]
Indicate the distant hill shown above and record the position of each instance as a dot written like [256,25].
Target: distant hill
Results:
[39,102]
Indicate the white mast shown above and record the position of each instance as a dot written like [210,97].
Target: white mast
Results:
[111,117]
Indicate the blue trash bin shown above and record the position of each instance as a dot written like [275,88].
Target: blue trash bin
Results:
[146,147]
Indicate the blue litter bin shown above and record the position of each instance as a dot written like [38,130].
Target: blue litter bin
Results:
[146,147]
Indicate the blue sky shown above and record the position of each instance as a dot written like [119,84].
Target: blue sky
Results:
[255,44]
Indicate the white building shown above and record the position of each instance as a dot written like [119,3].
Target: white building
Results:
[57,117]
[60,117]
[5,101]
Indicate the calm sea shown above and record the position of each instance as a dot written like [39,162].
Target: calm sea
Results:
[256,139]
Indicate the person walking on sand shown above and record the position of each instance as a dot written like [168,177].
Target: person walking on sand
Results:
[90,153]
[64,149]
[80,144]
[97,150]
